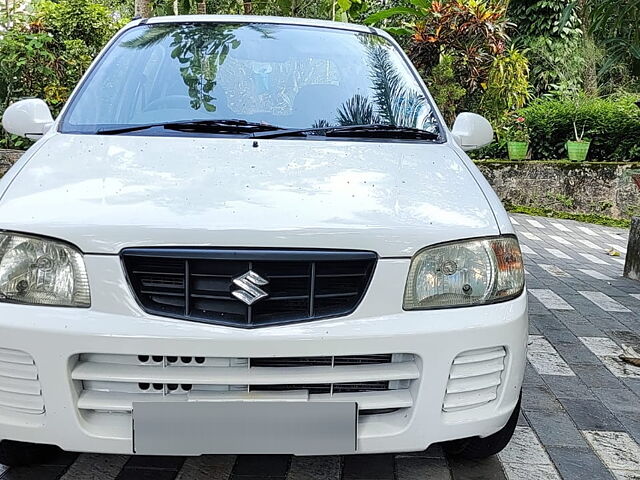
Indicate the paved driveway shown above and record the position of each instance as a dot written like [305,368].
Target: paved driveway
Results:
[581,402]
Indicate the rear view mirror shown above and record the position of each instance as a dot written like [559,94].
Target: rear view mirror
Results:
[472,131]
[29,118]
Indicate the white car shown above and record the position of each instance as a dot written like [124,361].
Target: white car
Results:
[254,235]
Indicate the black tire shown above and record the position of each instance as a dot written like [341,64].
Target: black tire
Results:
[19,454]
[476,447]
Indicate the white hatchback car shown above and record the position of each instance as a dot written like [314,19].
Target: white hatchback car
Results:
[254,235]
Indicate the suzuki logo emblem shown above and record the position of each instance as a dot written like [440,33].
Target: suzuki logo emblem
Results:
[250,291]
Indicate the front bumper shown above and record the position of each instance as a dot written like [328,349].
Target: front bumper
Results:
[57,339]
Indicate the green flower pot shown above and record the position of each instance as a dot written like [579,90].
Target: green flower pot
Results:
[577,150]
[518,150]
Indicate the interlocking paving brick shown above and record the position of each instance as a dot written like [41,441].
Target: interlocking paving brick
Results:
[368,467]
[609,353]
[96,467]
[262,465]
[156,462]
[597,376]
[315,468]
[588,243]
[588,231]
[525,458]
[619,452]
[605,302]
[207,467]
[540,397]
[619,400]
[487,469]
[412,468]
[554,270]
[535,223]
[558,253]
[568,387]
[526,250]
[573,463]
[561,227]
[555,428]
[590,414]
[146,474]
[531,236]
[545,359]
[593,259]
[550,299]
[39,472]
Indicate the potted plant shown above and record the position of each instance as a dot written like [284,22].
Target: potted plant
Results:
[517,134]
[579,148]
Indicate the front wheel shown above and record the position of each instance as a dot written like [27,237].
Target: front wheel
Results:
[476,447]
[19,454]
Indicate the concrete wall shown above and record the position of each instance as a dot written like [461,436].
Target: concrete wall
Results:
[609,189]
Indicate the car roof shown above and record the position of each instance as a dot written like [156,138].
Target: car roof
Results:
[309,22]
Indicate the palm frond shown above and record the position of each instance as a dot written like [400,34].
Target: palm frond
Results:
[358,110]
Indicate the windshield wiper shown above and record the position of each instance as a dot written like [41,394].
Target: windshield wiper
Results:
[206,126]
[374,130]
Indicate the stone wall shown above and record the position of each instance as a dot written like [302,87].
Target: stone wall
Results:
[610,189]
[8,158]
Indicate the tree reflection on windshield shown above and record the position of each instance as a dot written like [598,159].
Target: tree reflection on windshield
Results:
[200,50]
[394,102]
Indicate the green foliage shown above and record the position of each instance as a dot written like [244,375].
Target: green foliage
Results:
[545,18]
[557,65]
[45,53]
[507,84]
[611,124]
[201,50]
[81,20]
[553,41]
[445,89]
[595,218]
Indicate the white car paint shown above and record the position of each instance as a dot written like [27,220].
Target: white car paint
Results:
[104,194]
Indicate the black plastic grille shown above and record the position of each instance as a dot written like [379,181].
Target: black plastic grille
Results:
[197,284]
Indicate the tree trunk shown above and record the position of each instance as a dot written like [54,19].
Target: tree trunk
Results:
[590,79]
[142,8]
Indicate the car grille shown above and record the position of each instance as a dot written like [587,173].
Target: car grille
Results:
[111,383]
[198,284]
[20,389]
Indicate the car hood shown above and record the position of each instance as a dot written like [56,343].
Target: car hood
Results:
[105,193]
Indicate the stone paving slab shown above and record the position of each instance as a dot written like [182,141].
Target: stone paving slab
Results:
[581,403]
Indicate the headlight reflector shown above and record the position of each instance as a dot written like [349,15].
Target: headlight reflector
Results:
[469,272]
[42,272]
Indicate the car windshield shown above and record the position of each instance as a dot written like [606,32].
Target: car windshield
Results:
[282,75]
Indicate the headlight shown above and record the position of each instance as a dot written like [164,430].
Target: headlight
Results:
[470,272]
[41,272]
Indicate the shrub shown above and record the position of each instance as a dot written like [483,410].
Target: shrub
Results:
[611,124]
[45,53]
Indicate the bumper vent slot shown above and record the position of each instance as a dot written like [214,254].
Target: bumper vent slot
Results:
[474,379]
[198,284]
[111,383]
[20,389]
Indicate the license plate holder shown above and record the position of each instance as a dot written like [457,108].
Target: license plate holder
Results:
[244,427]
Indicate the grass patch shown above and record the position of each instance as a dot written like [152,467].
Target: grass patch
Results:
[579,217]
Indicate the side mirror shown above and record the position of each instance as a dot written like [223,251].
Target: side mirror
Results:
[472,131]
[29,118]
